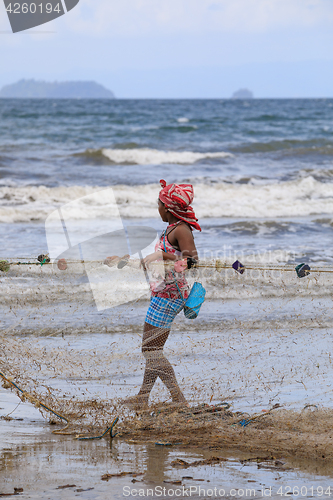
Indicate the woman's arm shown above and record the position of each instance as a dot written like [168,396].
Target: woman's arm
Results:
[185,241]
[183,238]
[159,255]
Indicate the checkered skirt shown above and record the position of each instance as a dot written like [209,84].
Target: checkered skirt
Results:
[162,312]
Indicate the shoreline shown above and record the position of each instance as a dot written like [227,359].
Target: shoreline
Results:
[60,467]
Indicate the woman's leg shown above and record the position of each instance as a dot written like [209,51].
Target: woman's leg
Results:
[157,364]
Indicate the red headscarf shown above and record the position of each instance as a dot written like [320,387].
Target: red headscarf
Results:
[177,199]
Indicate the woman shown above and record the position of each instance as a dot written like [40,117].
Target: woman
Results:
[167,297]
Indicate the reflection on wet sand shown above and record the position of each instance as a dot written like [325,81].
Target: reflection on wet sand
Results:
[34,459]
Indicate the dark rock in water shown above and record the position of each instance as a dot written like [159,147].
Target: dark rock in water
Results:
[56,90]
[241,94]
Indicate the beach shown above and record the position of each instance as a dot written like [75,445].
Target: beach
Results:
[48,466]
[79,182]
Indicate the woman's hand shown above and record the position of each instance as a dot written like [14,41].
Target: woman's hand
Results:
[151,258]
[180,265]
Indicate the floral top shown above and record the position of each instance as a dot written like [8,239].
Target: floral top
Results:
[166,286]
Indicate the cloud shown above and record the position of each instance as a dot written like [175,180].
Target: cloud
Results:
[4,22]
[152,17]
[146,18]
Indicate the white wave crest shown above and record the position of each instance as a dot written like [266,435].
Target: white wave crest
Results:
[283,199]
[146,156]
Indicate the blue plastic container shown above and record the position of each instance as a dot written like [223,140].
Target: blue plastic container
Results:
[194,301]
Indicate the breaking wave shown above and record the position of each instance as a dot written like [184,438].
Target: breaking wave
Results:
[280,199]
[147,156]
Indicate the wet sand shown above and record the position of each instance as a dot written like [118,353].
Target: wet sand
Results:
[54,467]
[252,353]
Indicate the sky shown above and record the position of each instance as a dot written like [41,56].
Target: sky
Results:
[180,48]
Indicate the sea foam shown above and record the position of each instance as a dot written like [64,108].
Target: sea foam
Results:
[146,156]
[280,199]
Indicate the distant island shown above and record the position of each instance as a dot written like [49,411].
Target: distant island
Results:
[56,90]
[242,94]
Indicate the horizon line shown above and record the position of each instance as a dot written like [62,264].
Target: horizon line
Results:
[167,98]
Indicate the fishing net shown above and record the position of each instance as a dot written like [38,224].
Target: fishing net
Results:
[258,358]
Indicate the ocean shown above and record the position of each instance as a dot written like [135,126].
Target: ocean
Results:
[262,172]
[261,169]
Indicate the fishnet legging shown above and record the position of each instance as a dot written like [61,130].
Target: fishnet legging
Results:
[157,364]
